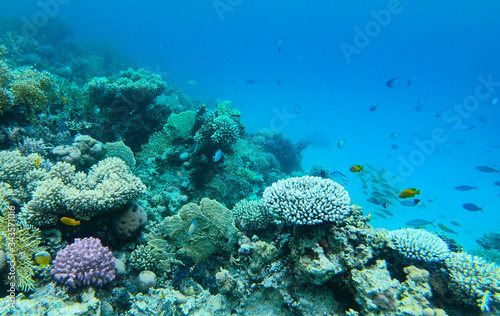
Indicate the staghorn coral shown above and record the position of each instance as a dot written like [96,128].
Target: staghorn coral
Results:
[84,262]
[143,258]
[18,171]
[474,281]
[307,200]
[417,244]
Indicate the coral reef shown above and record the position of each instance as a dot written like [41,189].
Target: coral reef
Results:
[84,262]
[251,215]
[307,200]
[474,281]
[417,244]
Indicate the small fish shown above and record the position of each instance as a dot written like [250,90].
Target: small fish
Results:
[70,221]
[341,144]
[394,146]
[339,177]
[487,169]
[456,223]
[473,207]
[410,202]
[42,258]
[446,229]
[497,183]
[465,188]
[192,227]
[409,193]
[37,162]
[250,81]
[465,127]
[193,83]
[381,215]
[393,82]
[494,101]
[297,108]
[387,212]
[395,135]
[177,174]
[356,168]
[373,108]
[64,100]
[420,223]
[418,108]
[218,155]
[279,82]
[279,43]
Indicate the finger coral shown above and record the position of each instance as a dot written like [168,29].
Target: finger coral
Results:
[307,200]
[84,262]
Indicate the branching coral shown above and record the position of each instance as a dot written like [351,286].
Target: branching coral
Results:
[307,200]
[474,280]
[419,244]
[251,215]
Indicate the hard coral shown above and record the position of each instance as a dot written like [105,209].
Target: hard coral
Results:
[307,200]
[419,244]
[84,262]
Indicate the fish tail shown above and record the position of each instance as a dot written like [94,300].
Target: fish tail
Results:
[432,223]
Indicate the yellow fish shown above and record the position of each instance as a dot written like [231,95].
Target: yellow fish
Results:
[37,162]
[356,168]
[192,227]
[42,258]
[409,193]
[70,221]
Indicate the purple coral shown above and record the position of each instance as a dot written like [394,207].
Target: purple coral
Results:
[84,262]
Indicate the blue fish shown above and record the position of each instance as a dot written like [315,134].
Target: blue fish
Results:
[410,202]
[192,227]
[393,82]
[218,155]
[465,127]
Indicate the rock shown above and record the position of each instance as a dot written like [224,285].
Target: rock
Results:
[145,281]
[129,222]
[120,267]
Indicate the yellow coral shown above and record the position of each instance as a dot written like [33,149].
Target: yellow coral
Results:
[26,242]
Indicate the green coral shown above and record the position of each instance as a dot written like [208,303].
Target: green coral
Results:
[122,151]
[182,124]
[132,88]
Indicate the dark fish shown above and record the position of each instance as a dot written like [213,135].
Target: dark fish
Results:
[410,202]
[393,82]
[322,174]
[472,207]
[456,224]
[465,188]
[373,108]
[279,82]
[339,177]
[497,183]
[446,229]
[394,146]
[395,135]
[487,169]
[297,108]
[250,81]
[420,223]
[381,215]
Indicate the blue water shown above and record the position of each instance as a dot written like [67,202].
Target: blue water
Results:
[447,50]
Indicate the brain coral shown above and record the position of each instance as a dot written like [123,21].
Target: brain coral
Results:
[419,244]
[307,200]
[84,262]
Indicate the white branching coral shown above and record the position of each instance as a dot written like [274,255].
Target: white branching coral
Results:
[417,244]
[307,200]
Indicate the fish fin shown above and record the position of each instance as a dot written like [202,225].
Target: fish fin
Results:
[417,191]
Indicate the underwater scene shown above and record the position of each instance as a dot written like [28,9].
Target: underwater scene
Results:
[249,158]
